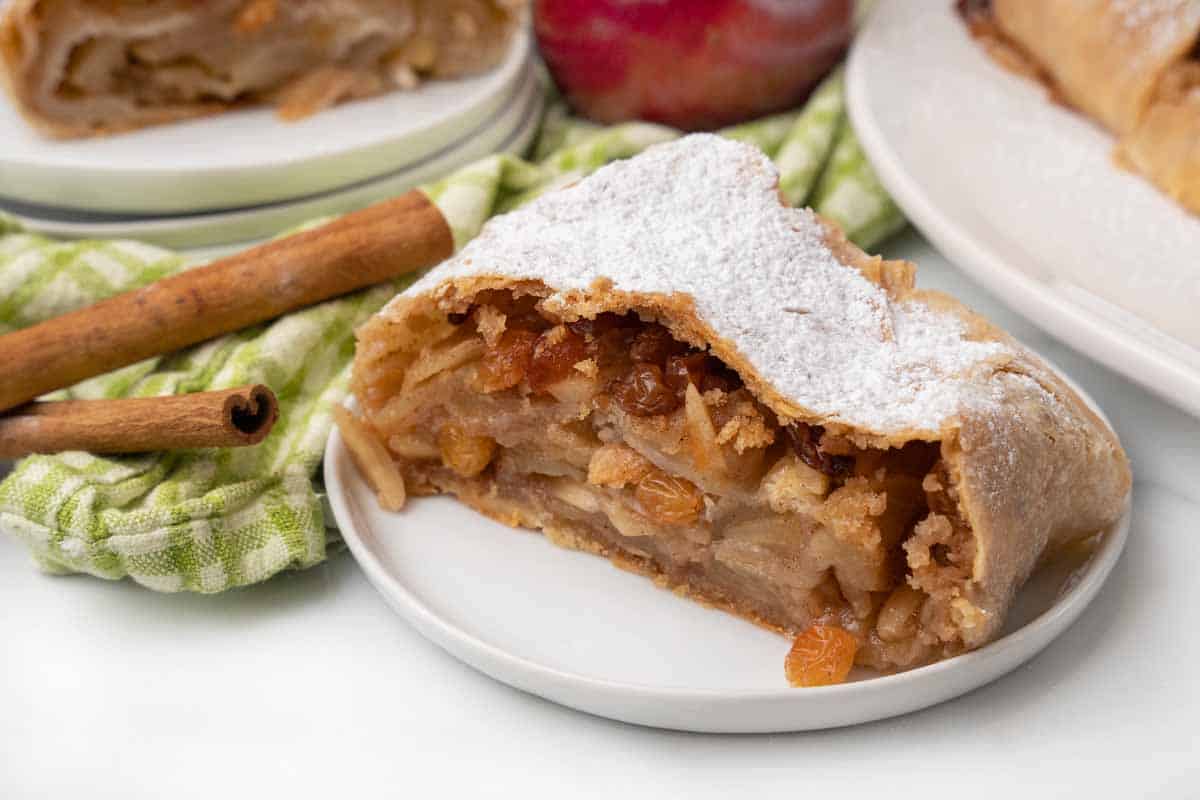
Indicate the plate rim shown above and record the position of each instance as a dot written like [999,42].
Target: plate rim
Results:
[992,661]
[1090,334]
[512,113]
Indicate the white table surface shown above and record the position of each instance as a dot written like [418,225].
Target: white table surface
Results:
[308,686]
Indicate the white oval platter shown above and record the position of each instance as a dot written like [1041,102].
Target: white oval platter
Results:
[1022,194]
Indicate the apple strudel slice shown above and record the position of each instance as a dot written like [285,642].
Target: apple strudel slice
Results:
[664,365]
[84,67]
[1131,65]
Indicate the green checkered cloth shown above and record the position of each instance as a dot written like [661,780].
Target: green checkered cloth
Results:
[210,520]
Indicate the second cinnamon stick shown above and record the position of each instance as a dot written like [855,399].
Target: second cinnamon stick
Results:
[225,418]
[366,247]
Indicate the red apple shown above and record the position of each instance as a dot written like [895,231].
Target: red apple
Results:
[692,64]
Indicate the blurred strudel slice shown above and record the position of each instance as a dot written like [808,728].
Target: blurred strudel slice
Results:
[85,67]
[1131,65]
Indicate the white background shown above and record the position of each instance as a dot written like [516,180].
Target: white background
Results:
[308,686]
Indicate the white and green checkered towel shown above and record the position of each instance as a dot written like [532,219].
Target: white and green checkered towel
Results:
[209,520]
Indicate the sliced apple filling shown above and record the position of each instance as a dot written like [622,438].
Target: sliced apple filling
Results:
[611,436]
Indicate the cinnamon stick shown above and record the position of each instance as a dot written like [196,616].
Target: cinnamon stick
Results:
[379,242]
[226,418]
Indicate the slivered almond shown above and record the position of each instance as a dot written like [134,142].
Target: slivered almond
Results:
[372,459]
[412,448]
[404,77]
[702,437]
[575,494]
[397,412]
[443,360]
[629,523]
[793,486]
[575,388]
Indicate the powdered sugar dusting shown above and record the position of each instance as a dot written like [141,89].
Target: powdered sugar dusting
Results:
[701,216]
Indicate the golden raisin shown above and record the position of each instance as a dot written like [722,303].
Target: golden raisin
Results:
[701,369]
[720,377]
[654,344]
[504,365]
[599,325]
[806,441]
[644,392]
[611,347]
[465,454]
[556,352]
[668,499]
[821,656]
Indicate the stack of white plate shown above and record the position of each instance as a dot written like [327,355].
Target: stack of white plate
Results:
[247,175]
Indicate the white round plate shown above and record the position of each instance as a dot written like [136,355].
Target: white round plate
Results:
[509,129]
[1022,194]
[572,628]
[249,157]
